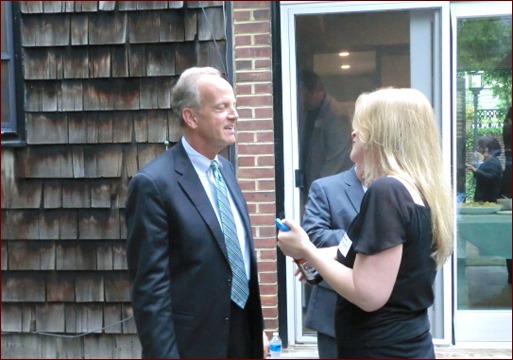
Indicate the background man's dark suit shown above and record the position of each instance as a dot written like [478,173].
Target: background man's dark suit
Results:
[185,314]
[333,202]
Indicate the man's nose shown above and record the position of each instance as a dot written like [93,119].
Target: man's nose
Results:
[234,114]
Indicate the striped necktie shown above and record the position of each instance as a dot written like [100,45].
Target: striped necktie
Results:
[240,289]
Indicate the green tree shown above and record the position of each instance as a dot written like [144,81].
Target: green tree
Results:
[484,44]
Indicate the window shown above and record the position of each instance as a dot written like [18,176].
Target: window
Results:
[11,123]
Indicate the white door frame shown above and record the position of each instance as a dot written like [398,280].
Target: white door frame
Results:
[490,328]
[441,100]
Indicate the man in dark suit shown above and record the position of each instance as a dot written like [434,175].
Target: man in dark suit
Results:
[177,257]
[333,202]
[325,128]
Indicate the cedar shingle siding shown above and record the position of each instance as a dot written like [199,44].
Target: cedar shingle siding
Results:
[97,76]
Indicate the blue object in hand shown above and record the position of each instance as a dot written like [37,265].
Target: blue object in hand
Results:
[280,225]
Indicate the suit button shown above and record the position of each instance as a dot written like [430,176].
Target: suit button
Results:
[230,282]
[226,319]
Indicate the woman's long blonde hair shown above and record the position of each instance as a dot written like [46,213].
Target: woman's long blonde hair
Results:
[399,136]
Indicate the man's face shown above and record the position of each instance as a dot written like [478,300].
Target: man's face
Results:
[217,115]
[308,98]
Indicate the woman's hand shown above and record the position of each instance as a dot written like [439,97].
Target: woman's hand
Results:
[294,243]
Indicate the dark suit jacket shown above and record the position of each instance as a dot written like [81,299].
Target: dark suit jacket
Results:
[330,142]
[333,202]
[178,262]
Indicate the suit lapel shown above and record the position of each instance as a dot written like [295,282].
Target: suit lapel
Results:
[191,185]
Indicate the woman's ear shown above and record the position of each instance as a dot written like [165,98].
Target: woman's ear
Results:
[189,118]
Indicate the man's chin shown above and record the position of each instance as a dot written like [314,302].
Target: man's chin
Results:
[230,139]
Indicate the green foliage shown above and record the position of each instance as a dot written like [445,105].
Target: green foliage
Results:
[484,44]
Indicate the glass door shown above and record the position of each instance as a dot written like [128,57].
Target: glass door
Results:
[482,98]
[332,52]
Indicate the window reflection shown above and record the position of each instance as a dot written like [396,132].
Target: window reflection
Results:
[339,56]
[483,155]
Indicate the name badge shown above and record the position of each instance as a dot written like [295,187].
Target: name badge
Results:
[345,245]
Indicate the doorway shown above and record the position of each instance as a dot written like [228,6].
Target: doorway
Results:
[350,48]
[482,98]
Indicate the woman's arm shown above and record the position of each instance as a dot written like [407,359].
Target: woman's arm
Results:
[368,285]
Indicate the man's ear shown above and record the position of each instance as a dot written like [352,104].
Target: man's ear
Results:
[189,118]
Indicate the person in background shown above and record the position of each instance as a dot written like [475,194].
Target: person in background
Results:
[506,176]
[333,202]
[190,298]
[325,131]
[489,174]
[385,266]
[506,139]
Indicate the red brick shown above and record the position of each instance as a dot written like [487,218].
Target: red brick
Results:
[266,220]
[262,39]
[256,173]
[246,161]
[252,208]
[247,185]
[267,266]
[254,76]
[243,40]
[265,160]
[242,15]
[252,27]
[265,184]
[254,100]
[245,137]
[268,278]
[268,289]
[256,148]
[265,88]
[244,114]
[268,196]
[263,14]
[253,52]
[267,254]
[267,242]
[247,125]
[246,64]
[243,89]
[266,208]
[271,313]
[264,113]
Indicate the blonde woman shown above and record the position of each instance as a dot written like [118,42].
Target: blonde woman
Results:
[385,265]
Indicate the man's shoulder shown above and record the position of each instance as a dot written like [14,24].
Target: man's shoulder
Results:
[339,178]
[161,163]
[341,108]
[156,162]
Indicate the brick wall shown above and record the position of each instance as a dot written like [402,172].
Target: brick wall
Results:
[255,146]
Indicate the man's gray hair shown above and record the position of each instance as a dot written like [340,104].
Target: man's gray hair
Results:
[185,93]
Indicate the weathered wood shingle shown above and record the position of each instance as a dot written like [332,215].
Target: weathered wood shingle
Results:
[97,82]
[47,30]
[50,317]
[115,22]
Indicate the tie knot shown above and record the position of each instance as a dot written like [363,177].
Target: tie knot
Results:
[214,165]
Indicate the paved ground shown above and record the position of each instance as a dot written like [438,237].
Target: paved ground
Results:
[451,352]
